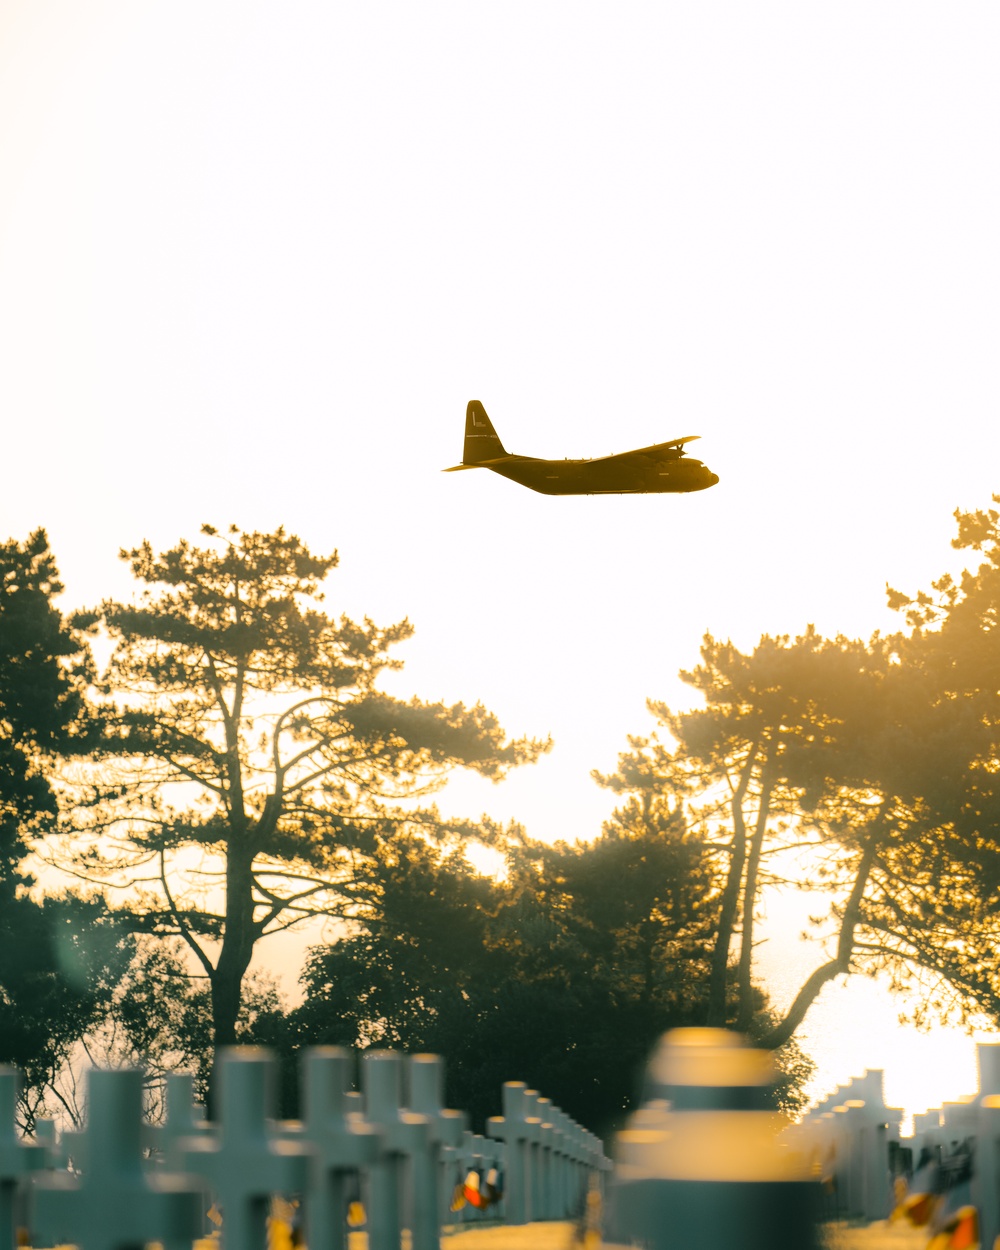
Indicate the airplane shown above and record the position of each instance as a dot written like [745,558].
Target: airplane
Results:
[661,467]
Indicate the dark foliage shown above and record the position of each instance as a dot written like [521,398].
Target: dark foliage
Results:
[563,974]
[60,962]
[44,666]
[58,959]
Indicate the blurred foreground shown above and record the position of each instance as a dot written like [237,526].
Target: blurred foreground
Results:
[562,1236]
[879,1236]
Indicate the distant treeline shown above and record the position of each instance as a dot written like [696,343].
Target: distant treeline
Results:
[235,770]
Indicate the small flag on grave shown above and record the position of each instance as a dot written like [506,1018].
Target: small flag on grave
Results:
[472,1191]
[961,1232]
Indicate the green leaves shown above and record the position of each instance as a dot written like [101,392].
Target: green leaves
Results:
[937,910]
[240,608]
[883,754]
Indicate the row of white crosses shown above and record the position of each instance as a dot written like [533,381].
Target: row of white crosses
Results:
[549,1157]
[847,1134]
[853,1127]
[976,1118]
[402,1151]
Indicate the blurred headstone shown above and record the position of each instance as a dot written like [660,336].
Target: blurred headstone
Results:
[703,1163]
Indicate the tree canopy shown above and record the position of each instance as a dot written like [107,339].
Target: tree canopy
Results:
[59,958]
[45,664]
[865,755]
[562,973]
[237,770]
[944,916]
[249,767]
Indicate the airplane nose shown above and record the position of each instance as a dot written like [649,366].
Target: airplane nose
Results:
[713,478]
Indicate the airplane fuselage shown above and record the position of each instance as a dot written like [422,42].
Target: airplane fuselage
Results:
[657,469]
[596,477]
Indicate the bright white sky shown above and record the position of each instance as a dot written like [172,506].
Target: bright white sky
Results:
[256,257]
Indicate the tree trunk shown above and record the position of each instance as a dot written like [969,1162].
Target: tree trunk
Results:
[234,957]
[745,983]
[845,946]
[237,947]
[718,976]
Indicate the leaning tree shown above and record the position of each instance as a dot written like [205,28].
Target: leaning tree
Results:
[832,747]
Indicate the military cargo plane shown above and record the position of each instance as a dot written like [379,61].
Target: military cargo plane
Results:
[661,467]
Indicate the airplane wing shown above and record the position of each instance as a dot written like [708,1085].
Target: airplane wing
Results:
[657,451]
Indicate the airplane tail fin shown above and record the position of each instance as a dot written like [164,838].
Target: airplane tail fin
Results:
[481,441]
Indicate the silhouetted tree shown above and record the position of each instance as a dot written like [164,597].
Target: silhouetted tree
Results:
[946,921]
[813,743]
[250,767]
[45,664]
[563,973]
[58,958]
[729,761]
